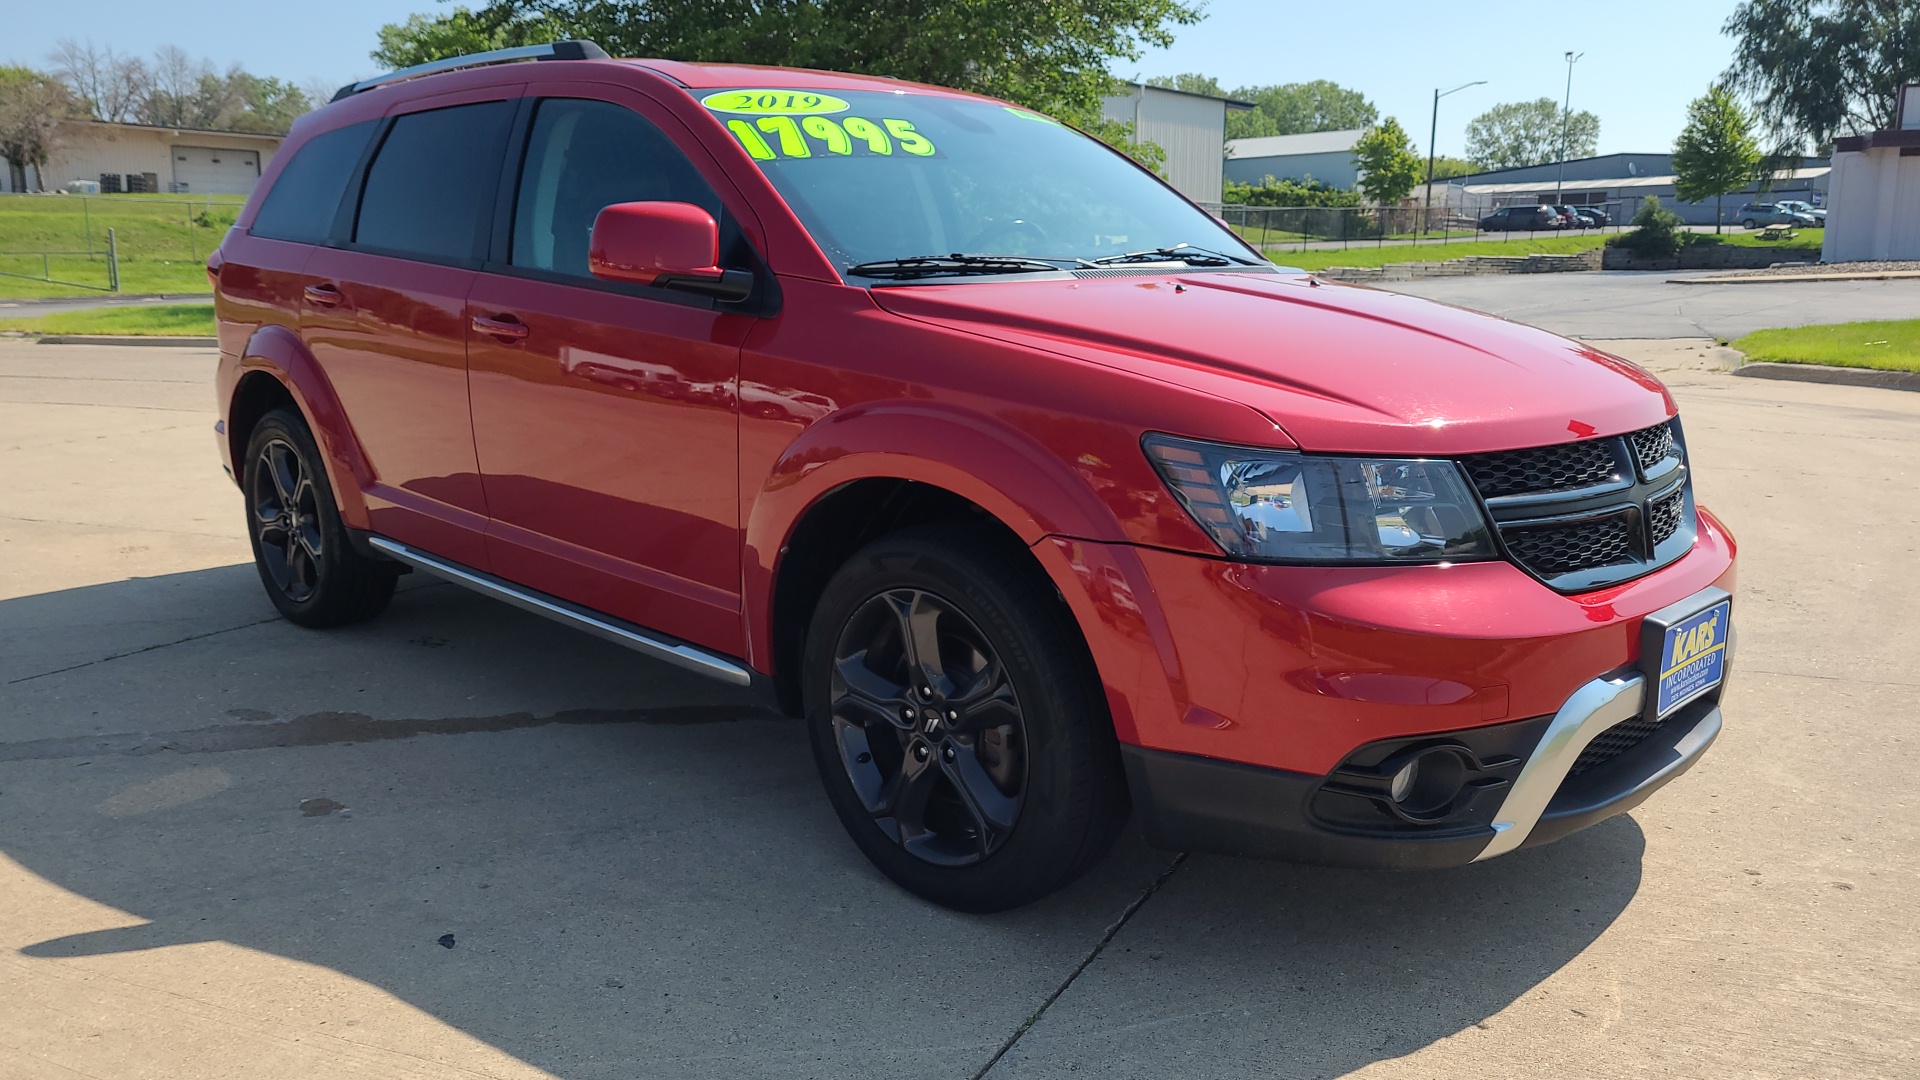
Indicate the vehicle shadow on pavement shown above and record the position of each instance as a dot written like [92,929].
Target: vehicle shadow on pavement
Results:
[554,847]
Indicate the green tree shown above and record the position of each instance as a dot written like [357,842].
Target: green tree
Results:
[1821,68]
[1290,193]
[1190,83]
[32,104]
[1523,133]
[1446,168]
[1388,166]
[1298,108]
[1716,152]
[1050,55]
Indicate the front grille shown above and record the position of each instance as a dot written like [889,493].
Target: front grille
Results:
[1551,550]
[1613,742]
[1547,468]
[1585,515]
[1653,445]
[1665,513]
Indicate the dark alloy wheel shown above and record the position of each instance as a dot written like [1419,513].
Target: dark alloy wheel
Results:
[957,720]
[928,727]
[286,520]
[310,568]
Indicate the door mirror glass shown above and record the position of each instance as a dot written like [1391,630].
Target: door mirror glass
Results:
[670,245]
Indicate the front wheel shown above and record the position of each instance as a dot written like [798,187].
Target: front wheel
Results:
[310,569]
[958,723]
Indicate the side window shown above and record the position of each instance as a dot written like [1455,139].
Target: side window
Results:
[305,197]
[429,191]
[583,156]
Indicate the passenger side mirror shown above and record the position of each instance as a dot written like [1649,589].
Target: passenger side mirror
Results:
[668,245]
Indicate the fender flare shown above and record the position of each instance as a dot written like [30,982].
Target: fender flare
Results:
[278,353]
[988,462]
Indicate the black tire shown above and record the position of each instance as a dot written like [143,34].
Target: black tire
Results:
[311,570]
[1044,740]
[1749,224]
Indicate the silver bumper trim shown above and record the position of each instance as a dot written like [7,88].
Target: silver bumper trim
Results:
[606,627]
[1595,707]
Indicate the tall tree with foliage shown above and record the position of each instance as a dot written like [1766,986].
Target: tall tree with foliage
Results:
[1388,166]
[1823,68]
[1716,152]
[32,104]
[1050,55]
[1522,133]
[1298,108]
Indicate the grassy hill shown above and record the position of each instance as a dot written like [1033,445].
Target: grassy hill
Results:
[163,242]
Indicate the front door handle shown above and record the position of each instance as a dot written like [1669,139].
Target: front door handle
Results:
[324,295]
[504,327]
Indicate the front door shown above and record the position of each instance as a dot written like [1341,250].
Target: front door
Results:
[385,317]
[604,414]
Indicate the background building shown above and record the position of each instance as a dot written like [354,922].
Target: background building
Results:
[140,157]
[1326,156]
[1620,181]
[1191,128]
[1875,208]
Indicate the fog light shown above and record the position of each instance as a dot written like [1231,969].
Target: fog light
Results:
[1403,780]
[1426,787]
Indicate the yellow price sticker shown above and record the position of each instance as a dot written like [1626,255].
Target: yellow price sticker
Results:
[774,102]
[780,136]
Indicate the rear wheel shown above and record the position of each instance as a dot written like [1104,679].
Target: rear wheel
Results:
[957,721]
[309,567]
[1749,224]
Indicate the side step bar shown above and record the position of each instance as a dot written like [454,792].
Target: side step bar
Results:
[618,631]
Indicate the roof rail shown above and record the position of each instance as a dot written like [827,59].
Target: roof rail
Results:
[553,50]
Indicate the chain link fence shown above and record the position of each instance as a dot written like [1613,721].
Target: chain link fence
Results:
[1307,228]
[109,242]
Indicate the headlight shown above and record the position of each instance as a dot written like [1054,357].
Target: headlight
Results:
[1272,505]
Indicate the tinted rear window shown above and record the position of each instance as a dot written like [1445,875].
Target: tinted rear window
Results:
[303,201]
[430,187]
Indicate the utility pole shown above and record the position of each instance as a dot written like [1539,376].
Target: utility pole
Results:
[1566,124]
[1433,134]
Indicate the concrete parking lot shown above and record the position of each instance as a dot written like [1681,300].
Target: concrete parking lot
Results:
[459,841]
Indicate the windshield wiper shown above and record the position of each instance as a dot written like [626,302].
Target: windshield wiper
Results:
[1186,253]
[930,265]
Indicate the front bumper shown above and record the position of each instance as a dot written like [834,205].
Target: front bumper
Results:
[1189,802]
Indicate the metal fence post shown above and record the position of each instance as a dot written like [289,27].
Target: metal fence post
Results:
[113,263]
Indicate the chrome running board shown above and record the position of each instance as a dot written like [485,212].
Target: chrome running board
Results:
[606,627]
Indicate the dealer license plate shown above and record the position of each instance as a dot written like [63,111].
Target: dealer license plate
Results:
[1693,657]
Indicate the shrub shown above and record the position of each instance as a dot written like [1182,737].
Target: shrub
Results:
[1273,192]
[1656,231]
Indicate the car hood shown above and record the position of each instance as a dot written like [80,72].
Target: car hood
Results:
[1339,368]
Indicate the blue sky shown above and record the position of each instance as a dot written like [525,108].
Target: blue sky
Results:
[1645,59]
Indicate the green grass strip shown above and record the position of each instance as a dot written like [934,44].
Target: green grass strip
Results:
[155,320]
[1884,346]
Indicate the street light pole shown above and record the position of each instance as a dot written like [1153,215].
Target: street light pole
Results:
[1433,134]
[1566,125]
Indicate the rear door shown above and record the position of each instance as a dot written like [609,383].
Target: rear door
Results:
[385,315]
[605,414]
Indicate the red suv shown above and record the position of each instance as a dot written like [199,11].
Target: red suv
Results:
[1030,486]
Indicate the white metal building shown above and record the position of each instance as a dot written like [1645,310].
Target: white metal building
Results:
[141,157]
[1326,156]
[1874,207]
[1191,128]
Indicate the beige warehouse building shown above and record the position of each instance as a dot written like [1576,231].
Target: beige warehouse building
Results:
[1875,209]
[142,157]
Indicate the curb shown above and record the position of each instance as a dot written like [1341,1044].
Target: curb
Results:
[1760,279]
[1885,380]
[129,339]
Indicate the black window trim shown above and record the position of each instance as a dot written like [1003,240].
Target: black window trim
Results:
[348,191]
[763,302]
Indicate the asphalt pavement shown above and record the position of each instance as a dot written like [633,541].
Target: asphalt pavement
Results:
[459,841]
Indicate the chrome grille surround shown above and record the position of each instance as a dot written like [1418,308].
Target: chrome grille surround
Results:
[1585,515]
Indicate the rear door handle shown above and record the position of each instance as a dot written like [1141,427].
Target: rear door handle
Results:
[324,295]
[504,327]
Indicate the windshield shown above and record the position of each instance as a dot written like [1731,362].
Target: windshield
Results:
[878,176]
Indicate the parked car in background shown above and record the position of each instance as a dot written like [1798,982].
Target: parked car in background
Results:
[1755,215]
[1592,217]
[1520,219]
[1038,496]
[1569,217]
[1818,214]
